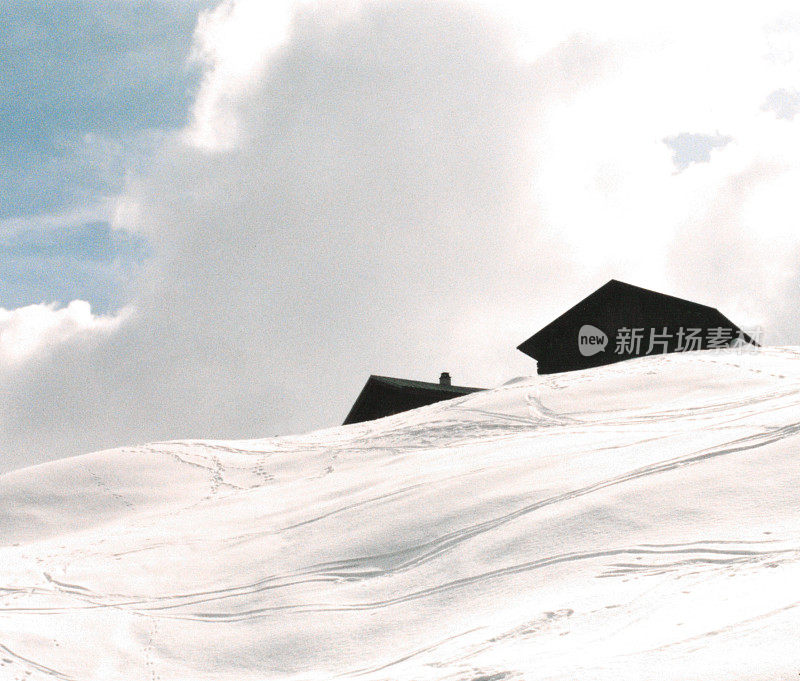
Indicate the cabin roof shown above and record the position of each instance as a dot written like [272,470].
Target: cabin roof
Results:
[617,305]
[616,289]
[385,395]
[423,385]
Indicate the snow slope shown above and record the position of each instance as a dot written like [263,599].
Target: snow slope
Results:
[637,521]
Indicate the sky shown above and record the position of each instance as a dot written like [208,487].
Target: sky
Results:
[218,218]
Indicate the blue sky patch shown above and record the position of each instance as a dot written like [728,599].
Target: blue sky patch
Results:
[92,262]
[784,103]
[88,89]
[688,148]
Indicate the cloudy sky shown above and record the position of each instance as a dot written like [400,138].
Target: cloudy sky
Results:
[217,219]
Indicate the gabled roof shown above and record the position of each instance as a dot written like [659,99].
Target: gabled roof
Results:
[383,396]
[613,306]
[614,288]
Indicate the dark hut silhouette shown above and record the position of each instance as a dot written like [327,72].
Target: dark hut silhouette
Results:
[620,321]
[384,396]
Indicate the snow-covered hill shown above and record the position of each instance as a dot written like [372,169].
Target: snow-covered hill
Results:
[638,521]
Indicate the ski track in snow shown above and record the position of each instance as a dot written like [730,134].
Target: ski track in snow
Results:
[597,524]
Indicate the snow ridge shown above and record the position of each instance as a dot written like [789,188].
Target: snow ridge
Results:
[635,521]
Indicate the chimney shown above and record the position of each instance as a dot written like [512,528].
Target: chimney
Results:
[444,379]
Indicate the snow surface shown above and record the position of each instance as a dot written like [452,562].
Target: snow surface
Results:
[637,521]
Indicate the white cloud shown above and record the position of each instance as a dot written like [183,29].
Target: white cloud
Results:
[234,42]
[606,182]
[373,195]
[35,330]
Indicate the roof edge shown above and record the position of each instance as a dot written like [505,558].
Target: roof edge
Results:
[411,383]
